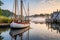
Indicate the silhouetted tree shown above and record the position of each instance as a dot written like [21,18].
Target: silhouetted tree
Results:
[1,3]
[7,13]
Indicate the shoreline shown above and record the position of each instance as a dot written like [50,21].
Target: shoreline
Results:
[4,25]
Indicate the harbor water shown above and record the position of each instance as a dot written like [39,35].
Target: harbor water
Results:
[36,31]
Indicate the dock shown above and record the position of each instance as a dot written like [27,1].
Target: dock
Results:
[4,25]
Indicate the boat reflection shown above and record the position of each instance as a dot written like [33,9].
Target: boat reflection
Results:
[54,26]
[18,32]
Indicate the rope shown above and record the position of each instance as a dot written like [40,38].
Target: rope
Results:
[24,9]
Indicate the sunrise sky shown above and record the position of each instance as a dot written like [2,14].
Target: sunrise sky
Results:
[36,6]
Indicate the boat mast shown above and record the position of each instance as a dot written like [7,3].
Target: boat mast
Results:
[15,8]
[28,11]
[21,10]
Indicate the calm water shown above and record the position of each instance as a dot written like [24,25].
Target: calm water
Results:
[34,32]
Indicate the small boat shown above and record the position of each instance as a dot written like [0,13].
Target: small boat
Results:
[20,22]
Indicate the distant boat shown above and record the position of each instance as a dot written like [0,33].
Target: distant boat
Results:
[20,22]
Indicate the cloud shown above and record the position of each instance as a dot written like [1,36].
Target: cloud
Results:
[44,6]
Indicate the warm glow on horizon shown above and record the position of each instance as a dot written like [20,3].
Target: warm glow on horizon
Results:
[36,6]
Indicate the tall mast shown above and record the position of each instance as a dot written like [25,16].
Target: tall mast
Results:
[15,8]
[21,10]
[28,11]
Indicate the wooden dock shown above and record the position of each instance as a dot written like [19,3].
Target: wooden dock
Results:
[3,25]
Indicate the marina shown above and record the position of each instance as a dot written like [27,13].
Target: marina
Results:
[29,20]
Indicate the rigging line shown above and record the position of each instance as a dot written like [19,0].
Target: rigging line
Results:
[24,10]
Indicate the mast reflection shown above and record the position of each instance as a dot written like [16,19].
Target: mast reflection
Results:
[18,32]
[54,26]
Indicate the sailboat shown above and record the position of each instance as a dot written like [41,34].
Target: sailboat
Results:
[22,22]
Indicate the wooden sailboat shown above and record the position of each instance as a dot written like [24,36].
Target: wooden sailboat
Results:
[20,23]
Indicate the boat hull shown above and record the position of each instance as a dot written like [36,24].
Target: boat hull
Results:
[16,25]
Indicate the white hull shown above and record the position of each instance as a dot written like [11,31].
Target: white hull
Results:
[16,25]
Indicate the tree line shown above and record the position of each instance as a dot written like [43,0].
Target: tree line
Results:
[4,12]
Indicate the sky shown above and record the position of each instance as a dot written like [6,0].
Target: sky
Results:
[36,6]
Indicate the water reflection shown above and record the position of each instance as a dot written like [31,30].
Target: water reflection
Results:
[37,32]
[1,31]
[54,26]
[15,33]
